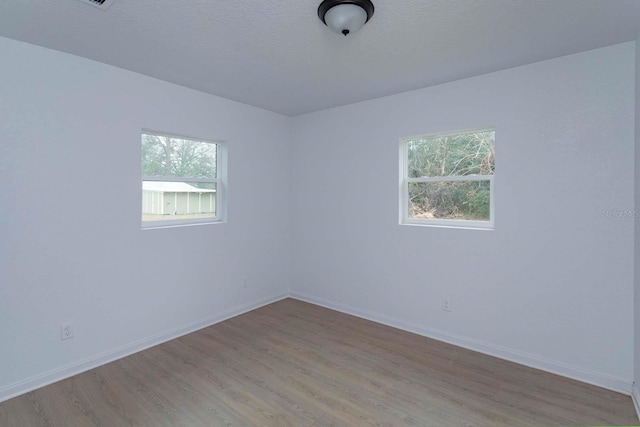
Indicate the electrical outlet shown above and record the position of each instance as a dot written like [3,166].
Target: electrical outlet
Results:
[446,304]
[66,331]
[244,284]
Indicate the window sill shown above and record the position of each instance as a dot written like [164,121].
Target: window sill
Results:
[153,225]
[474,226]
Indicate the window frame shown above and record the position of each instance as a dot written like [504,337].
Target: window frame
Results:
[219,181]
[434,222]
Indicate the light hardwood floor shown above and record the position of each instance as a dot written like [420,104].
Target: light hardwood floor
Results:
[296,364]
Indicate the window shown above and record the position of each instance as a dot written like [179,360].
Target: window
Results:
[447,179]
[180,180]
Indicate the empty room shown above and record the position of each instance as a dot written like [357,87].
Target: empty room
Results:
[319,213]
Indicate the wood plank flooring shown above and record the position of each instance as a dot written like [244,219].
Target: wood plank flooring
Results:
[296,364]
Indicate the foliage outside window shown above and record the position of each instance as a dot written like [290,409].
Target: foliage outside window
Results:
[180,180]
[448,179]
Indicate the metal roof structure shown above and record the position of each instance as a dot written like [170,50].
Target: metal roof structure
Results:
[173,187]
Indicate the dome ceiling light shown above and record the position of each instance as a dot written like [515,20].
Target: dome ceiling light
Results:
[345,16]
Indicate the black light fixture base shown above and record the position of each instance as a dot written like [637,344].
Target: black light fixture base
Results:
[328,4]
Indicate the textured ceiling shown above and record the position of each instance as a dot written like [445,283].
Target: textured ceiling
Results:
[277,55]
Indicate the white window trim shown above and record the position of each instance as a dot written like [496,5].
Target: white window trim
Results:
[447,223]
[221,169]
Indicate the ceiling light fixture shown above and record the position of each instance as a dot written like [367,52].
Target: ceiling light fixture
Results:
[345,16]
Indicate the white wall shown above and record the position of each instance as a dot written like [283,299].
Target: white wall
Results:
[636,329]
[70,142]
[552,286]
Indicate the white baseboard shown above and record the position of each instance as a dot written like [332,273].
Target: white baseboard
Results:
[590,377]
[25,386]
[635,396]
